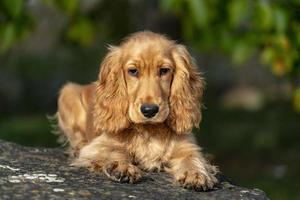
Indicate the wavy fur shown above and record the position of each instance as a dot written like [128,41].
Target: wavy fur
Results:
[108,132]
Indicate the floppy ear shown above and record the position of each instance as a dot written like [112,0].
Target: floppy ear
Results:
[186,93]
[110,105]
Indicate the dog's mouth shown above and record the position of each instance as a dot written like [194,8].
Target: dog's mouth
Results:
[145,120]
[153,121]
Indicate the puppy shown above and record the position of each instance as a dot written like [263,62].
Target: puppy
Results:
[139,114]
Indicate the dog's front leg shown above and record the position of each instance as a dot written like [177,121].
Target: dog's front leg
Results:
[106,155]
[190,168]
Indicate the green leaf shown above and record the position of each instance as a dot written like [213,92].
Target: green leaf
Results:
[13,7]
[240,52]
[8,37]
[226,39]
[296,99]
[70,6]
[238,11]
[297,2]
[67,6]
[188,29]
[82,31]
[267,55]
[264,15]
[296,30]
[170,4]
[199,12]
[281,19]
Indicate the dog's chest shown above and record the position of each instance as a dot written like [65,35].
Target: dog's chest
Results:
[151,151]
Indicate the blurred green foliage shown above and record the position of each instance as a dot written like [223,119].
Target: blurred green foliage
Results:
[82,25]
[15,23]
[81,29]
[243,28]
[106,18]
[238,28]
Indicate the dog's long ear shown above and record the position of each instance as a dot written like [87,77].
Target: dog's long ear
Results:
[111,101]
[186,93]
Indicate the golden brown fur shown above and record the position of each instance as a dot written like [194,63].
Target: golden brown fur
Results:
[107,130]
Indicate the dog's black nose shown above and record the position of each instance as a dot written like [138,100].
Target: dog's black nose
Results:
[149,110]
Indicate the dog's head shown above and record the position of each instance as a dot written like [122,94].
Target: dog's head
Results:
[148,79]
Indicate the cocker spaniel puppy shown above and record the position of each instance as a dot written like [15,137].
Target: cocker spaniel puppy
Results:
[139,114]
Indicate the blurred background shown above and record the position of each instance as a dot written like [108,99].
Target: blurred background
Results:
[247,49]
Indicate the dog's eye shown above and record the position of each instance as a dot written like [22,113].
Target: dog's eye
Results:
[133,72]
[163,71]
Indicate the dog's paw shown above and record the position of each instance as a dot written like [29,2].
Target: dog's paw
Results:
[122,172]
[194,179]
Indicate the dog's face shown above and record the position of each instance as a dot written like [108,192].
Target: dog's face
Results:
[148,79]
[148,72]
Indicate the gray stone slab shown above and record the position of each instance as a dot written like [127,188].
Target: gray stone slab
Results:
[41,173]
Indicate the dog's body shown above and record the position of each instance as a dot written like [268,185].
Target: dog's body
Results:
[139,114]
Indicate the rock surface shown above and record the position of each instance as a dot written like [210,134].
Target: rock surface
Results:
[40,173]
